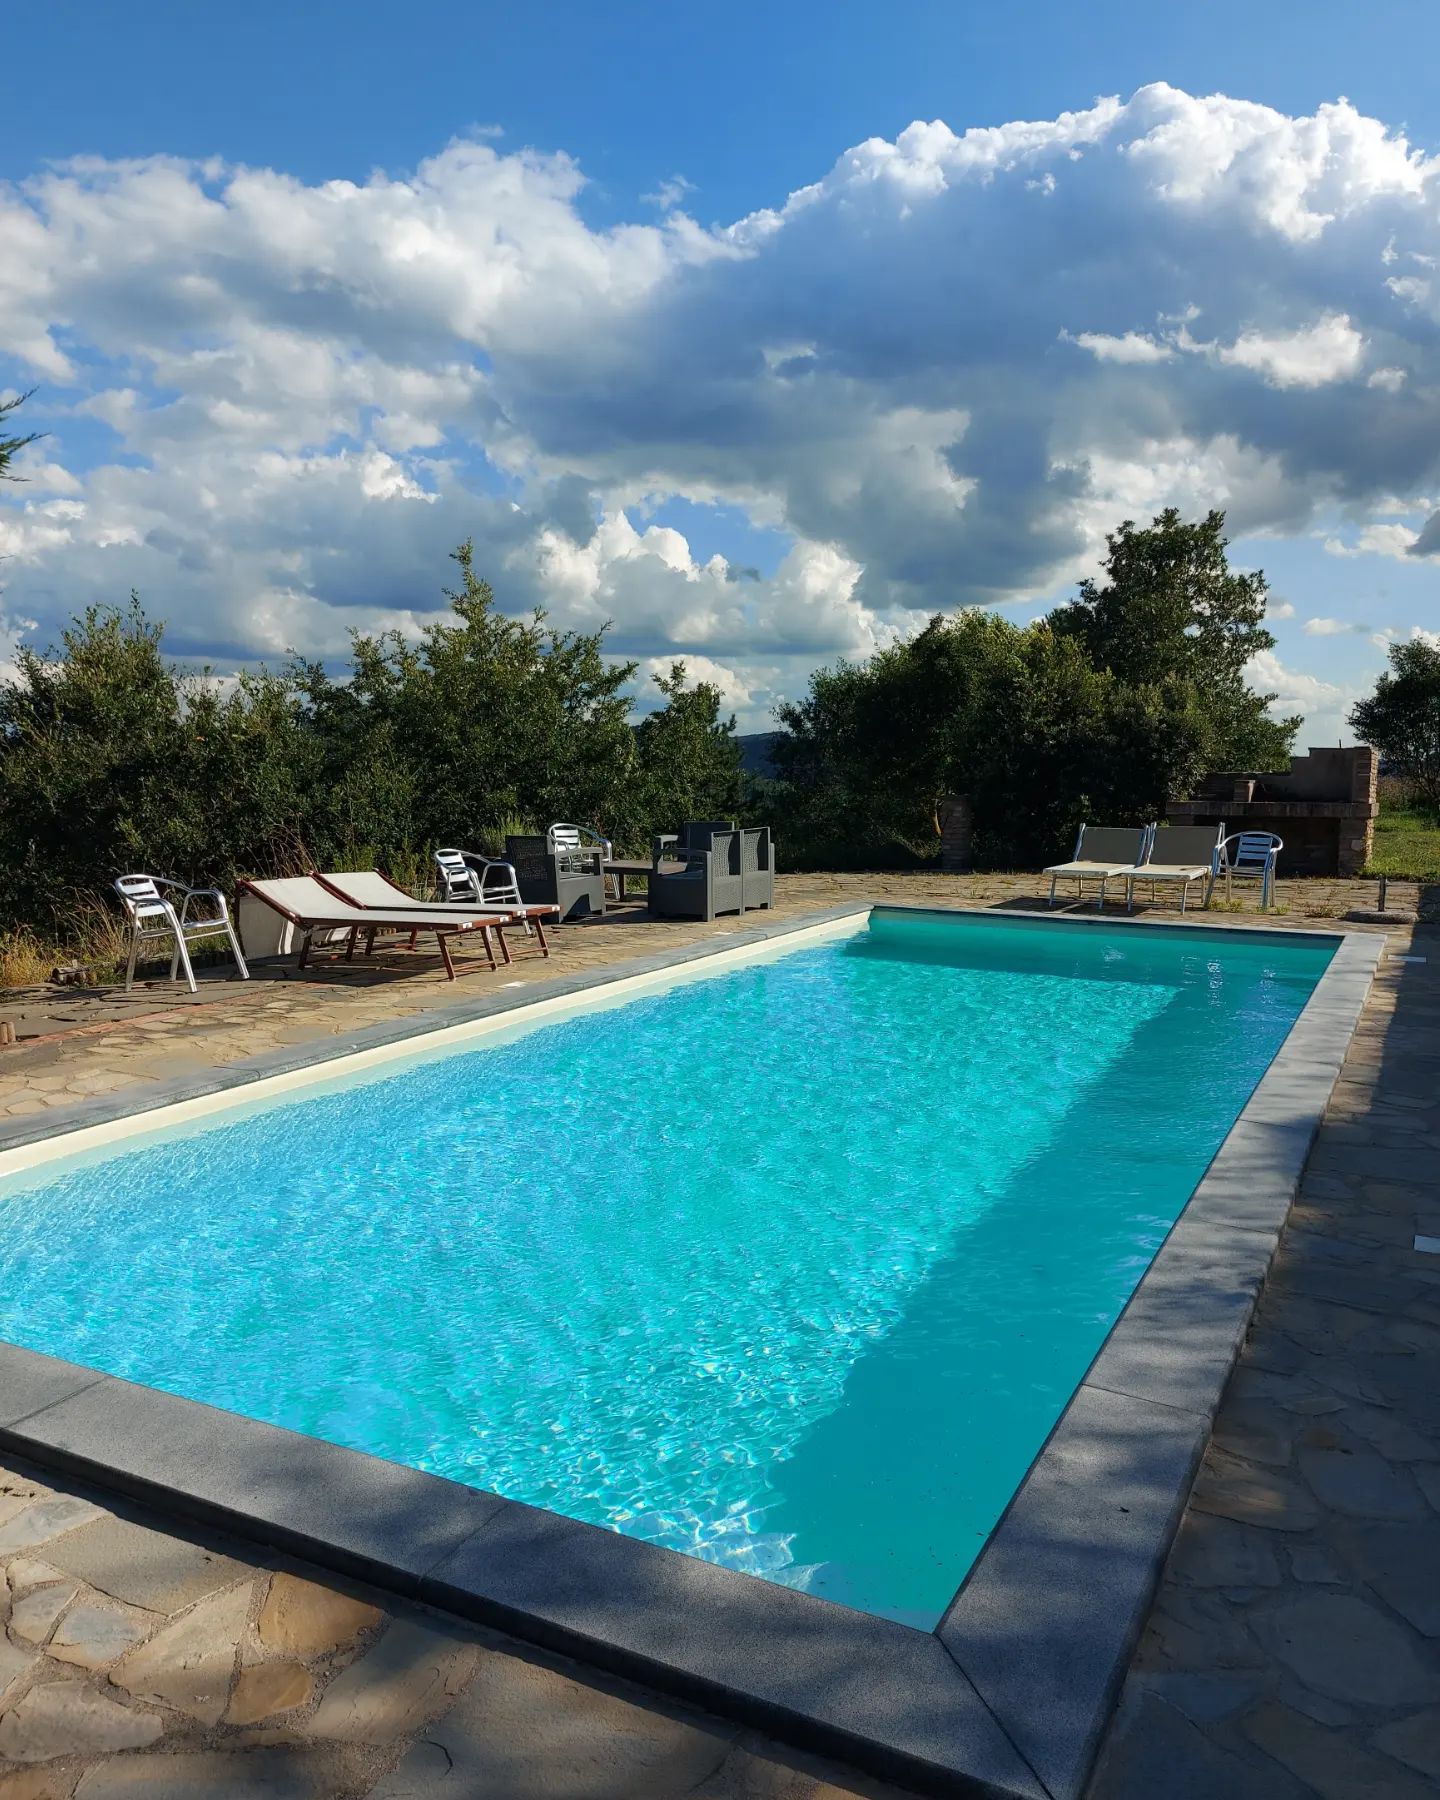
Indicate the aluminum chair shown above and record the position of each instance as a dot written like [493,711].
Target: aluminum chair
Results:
[1248,856]
[577,839]
[466,875]
[153,917]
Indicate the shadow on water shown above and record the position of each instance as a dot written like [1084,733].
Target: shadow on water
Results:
[941,1418]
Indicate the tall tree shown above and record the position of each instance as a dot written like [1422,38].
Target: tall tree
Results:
[1172,614]
[10,445]
[1402,718]
[690,763]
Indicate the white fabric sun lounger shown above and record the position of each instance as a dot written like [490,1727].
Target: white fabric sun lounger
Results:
[377,893]
[313,909]
[1182,853]
[1103,853]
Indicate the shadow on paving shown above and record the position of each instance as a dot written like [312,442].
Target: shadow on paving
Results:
[1293,1649]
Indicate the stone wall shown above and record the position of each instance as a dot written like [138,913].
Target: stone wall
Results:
[957,832]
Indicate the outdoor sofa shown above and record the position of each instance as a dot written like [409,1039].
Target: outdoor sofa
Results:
[711,867]
[572,878]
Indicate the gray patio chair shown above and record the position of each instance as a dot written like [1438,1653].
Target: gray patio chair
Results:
[1247,856]
[708,882]
[757,867]
[153,917]
[572,879]
[1178,853]
[1103,853]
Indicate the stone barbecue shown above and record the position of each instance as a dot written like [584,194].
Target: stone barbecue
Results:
[1324,808]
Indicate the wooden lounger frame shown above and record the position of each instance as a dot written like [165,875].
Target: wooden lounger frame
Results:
[484,924]
[532,916]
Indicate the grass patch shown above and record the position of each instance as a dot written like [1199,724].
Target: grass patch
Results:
[1407,847]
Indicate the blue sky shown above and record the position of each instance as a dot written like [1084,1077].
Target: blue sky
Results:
[259,366]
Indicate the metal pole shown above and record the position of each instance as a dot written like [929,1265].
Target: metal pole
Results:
[1384,885]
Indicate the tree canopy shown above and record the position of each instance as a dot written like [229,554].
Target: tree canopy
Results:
[1105,709]
[113,759]
[1402,719]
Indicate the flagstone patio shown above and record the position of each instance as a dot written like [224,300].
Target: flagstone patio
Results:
[1293,1650]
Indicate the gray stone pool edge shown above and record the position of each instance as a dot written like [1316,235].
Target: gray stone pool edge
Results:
[1010,1695]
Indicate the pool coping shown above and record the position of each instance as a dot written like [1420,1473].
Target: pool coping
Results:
[1010,1694]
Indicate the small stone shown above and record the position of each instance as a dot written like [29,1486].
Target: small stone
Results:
[66,1718]
[302,1618]
[1195,1631]
[1215,1552]
[43,1520]
[14,1664]
[1202,1698]
[147,1568]
[188,1663]
[26,1572]
[1402,1564]
[1154,1752]
[1327,1762]
[1319,1707]
[1360,1483]
[1390,1436]
[266,1689]
[35,1784]
[1237,1490]
[1342,1646]
[33,1618]
[1415,1741]
[1255,1434]
[212,1775]
[93,1636]
[1310,1564]
[531,1733]
[1313,1405]
[396,1685]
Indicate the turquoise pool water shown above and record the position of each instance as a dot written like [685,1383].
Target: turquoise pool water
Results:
[793,1268]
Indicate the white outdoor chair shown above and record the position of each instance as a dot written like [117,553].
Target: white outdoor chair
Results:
[572,839]
[1248,856]
[153,917]
[467,878]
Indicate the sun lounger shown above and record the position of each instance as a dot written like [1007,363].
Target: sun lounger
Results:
[1103,853]
[314,910]
[374,892]
[1182,853]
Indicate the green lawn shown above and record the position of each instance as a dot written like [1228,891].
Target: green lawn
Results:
[1407,846]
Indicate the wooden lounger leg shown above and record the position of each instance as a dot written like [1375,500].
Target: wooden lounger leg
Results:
[304,951]
[540,933]
[445,954]
[370,942]
[350,944]
[414,936]
[489,947]
[504,945]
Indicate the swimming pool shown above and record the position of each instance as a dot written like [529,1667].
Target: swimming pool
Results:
[793,1268]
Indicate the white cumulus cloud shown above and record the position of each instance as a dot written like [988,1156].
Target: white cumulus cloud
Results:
[933,377]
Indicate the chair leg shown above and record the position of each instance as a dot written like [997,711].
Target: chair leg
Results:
[1051,901]
[130,964]
[236,952]
[182,956]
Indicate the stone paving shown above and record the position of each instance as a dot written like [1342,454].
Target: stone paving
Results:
[1294,1649]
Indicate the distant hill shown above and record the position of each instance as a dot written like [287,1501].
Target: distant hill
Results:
[756,748]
